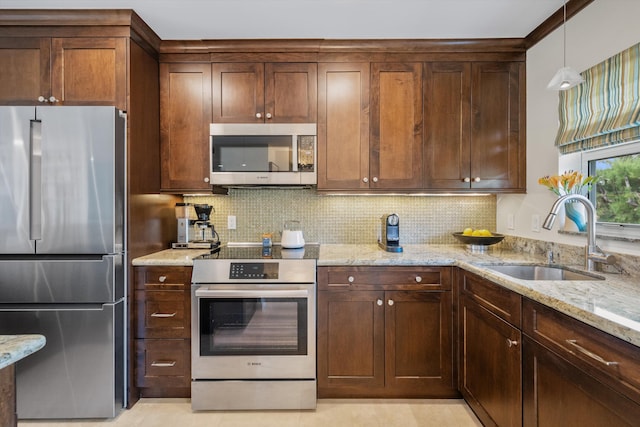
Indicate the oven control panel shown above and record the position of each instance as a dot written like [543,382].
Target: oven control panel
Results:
[253,270]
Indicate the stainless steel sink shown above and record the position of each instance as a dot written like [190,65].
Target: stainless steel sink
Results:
[542,272]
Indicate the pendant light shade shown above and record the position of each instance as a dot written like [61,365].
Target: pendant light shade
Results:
[566,77]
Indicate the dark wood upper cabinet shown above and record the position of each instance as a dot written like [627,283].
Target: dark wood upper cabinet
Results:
[497,126]
[343,125]
[26,69]
[185,115]
[72,70]
[395,160]
[474,126]
[264,92]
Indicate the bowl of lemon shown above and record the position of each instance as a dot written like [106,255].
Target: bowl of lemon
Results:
[478,237]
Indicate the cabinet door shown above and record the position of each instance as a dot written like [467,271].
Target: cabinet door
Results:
[185,116]
[396,126]
[497,126]
[343,126]
[447,118]
[291,92]
[490,365]
[89,71]
[350,343]
[419,356]
[558,394]
[238,92]
[26,70]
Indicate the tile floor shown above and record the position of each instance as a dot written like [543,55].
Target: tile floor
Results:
[329,412]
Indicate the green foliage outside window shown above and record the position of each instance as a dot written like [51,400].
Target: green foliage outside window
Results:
[617,190]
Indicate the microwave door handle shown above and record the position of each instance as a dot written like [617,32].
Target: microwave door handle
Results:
[35,180]
[294,151]
[271,293]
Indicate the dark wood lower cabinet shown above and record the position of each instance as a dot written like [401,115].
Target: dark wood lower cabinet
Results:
[558,394]
[490,365]
[374,341]
[8,417]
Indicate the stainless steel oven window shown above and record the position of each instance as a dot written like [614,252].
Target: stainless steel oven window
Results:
[253,326]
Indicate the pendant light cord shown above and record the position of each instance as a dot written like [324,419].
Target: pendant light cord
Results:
[564,34]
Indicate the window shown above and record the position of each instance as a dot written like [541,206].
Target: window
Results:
[616,195]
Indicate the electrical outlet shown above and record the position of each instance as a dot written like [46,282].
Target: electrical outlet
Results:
[231,222]
[535,223]
[511,222]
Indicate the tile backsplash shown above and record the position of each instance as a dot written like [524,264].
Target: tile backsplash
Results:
[346,219]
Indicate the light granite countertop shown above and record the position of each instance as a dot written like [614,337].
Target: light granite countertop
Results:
[174,257]
[16,347]
[611,305]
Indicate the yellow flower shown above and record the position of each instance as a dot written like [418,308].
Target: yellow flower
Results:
[570,182]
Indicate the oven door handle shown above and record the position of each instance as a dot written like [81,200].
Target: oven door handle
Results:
[231,293]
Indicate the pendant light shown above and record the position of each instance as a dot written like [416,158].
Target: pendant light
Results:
[566,77]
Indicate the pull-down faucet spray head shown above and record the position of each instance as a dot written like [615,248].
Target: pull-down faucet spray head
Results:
[549,220]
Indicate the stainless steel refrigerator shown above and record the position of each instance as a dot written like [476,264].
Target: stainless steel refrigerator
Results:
[62,256]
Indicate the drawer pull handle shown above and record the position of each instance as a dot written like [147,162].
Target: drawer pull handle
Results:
[592,355]
[418,279]
[351,279]
[164,364]
[390,302]
[164,315]
[161,279]
[512,343]
[379,302]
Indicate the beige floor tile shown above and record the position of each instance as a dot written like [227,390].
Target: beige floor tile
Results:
[329,412]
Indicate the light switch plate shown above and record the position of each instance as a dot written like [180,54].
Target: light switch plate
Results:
[511,222]
[231,222]
[535,223]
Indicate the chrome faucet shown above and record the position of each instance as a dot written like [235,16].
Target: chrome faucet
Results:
[592,252]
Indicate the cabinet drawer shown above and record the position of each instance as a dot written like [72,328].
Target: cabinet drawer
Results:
[163,363]
[163,314]
[162,277]
[392,278]
[605,357]
[498,300]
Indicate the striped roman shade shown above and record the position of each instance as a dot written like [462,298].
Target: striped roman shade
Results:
[605,109]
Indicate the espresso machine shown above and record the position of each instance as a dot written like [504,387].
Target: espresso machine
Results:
[390,233]
[195,230]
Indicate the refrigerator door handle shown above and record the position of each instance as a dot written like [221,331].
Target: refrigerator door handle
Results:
[35,181]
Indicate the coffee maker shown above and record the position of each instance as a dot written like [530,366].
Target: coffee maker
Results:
[195,230]
[390,233]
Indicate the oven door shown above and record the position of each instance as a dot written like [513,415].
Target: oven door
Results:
[253,331]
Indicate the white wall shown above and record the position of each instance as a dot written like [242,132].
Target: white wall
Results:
[601,30]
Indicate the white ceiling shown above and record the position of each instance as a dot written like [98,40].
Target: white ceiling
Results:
[328,19]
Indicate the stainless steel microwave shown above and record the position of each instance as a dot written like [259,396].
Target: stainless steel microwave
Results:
[263,154]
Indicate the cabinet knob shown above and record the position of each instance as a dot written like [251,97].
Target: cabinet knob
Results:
[206,179]
[511,343]
[365,179]
[351,279]
[268,116]
[476,179]
[161,279]
[418,279]
[258,115]
[467,179]
[375,179]
[390,302]
[51,99]
[379,302]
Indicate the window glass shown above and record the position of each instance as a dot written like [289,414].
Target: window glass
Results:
[616,194]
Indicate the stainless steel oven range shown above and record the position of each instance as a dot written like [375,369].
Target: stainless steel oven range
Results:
[253,338]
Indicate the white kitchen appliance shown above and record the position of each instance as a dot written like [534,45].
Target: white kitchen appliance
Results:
[292,237]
